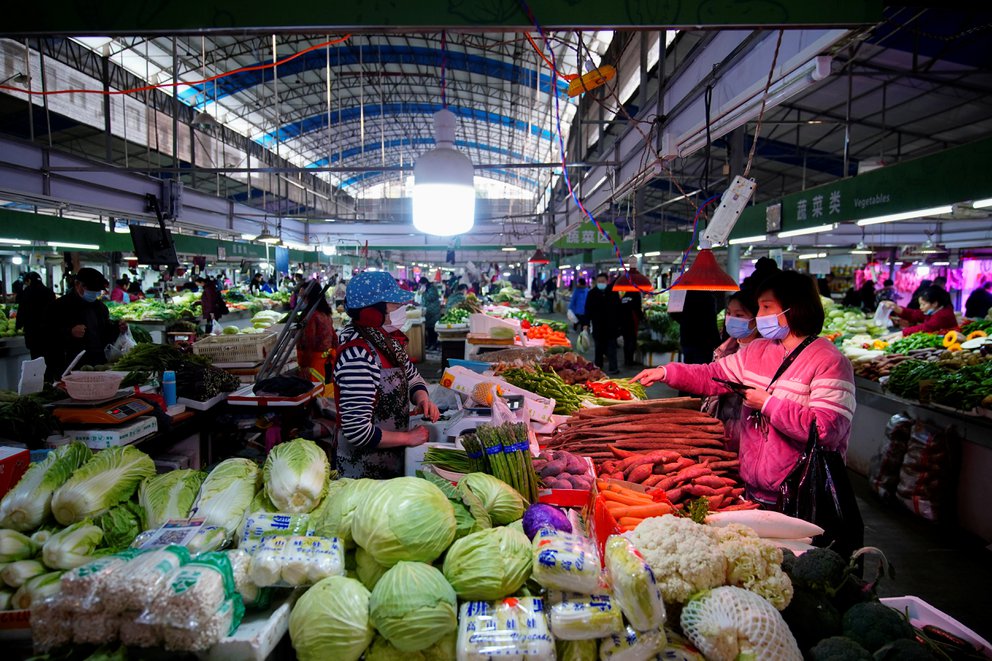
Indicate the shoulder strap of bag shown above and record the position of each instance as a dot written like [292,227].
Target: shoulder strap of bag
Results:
[791,358]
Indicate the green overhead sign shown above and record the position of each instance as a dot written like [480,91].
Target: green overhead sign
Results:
[587,237]
[162,16]
[955,175]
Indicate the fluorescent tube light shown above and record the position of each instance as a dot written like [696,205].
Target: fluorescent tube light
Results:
[76,246]
[813,255]
[941,263]
[15,242]
[906,215]
[748,239]
[653,253]
[981,204]
[863,251]
[808,230]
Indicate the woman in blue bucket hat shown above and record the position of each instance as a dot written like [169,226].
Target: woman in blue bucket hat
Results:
[376,381]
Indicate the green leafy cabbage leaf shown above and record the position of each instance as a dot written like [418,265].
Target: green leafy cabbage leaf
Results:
[110,477]
[296,475]
[406,518]
[413,606]
[29,503]
[169,495]
[489,564]
[331,621]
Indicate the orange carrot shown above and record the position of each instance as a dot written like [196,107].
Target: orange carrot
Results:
[658,509]
[626,498]
[629,521]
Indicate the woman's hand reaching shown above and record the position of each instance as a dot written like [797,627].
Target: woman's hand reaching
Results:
[428,409]
[650,376]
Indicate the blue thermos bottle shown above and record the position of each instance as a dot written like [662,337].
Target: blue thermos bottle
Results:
[169,388]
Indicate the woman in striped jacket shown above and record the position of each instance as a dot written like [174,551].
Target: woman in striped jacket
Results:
[376,383]
[816,386]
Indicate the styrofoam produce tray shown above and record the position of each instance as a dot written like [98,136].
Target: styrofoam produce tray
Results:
[921,613]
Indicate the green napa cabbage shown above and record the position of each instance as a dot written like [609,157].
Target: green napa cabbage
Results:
[16,546]
[443,650]
[406,518]
[368,570]
[488,565]
[120,525]
[343,497]
[331,621]
[413,607]
[29,503]
[503,502]
[296,475]
[261,503]
[36,589]
[110,477]
[227,492]
[15,574]
[169,495]
[72,547]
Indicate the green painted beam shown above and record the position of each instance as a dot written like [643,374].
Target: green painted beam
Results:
[959,174]
[163,17]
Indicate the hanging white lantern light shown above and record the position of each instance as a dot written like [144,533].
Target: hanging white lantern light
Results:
[444,184]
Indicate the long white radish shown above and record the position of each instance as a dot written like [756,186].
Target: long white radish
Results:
[771,525]
[798,547]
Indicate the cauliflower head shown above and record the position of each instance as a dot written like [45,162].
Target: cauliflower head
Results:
[685,556]
[755,564]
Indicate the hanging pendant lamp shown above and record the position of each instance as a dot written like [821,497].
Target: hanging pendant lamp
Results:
[705,275]
[444,184]
[539,258]
[633,280]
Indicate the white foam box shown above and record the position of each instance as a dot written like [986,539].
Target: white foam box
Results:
[484,323]
[920,613]
[464,380]
[256,637]
[108,437]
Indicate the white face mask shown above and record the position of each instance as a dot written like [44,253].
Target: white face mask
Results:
[395,320]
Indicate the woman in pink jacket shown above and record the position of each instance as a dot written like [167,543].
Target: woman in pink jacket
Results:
[794,380]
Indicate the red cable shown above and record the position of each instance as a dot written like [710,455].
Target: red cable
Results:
[568,77]
[176,83]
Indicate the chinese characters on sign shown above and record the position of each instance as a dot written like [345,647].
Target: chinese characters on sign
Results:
[588,236]
[813,207]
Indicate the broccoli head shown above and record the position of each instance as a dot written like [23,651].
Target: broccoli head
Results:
[873,625]
[904,649]
[788,560]
[811,618]
[819,569]
[839,648]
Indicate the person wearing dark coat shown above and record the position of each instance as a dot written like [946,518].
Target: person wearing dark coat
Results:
[79,321]
[32,306]
[698,332]
[979,301]
[603,312]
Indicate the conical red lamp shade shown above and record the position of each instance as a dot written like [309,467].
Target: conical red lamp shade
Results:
[705,275]
[538,258]
[635,281]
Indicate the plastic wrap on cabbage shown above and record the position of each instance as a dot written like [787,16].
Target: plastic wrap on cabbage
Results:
[406,518]
[296,561]
[29,503]
[511,628]
[109,478]
[577,650]
[585,617]
[413,606]
[632,646]
[331,621]
[259,525]
[565,561]
[226,494]
[634,587]
[295,475]
[489,564]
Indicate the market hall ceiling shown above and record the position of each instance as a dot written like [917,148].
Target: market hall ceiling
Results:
[918,81]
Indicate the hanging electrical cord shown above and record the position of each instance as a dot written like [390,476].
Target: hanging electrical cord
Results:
[764,100]
[444,68]
[554,68]
[707,105]
[181,83]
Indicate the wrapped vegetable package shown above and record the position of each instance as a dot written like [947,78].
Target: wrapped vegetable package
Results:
[512,628]
[94,628]
[207,633]
[343,497]
[169,495]
[296,475]
[195,594]
[565,561]
[265,524]
[51,624]
[252,595]
[406,518]
[227,492]
[413,607]
[331,621]
[577,650]
[632,646]
[29,503]
[81,586]
[110,477]
[634,588]
[296,561]
[585,617]
[137,634]
[134,586]
[489,564]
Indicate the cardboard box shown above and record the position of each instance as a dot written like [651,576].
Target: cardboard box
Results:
[464,381]
[13,463]
[108,437]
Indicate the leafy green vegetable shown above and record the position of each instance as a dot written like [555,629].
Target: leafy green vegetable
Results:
[169,495]
[227,492]
[15,574]
[443,650]
[120,525]
[413,606]
[110,477]
[369,571]
[343,498]
[36,589]
[15,546]
[331,621]
[29,503]
[916,341]
[502,501]
[296,475]
[72,547]
[406,518]
[489,564]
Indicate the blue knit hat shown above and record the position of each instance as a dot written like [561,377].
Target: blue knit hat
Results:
[371,287]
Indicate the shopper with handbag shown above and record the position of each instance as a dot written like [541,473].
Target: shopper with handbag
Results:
[790,380]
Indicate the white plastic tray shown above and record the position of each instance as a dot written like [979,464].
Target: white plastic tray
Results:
[202,406]
[921,613]
[257,636]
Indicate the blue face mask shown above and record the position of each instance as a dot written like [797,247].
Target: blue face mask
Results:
[600,285]
[769,327]
[930,311]
[90,296]
[738,328]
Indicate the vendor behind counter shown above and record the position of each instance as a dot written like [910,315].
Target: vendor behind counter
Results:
[79,321]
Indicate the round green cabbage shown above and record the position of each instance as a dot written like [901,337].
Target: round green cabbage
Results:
[295,475]
[443,650]
[413,607]
[503,502]
[406,518]
[343,496]
[331,621]
[488,565]
[369,571]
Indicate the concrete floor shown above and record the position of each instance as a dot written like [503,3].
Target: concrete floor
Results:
[940,564]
